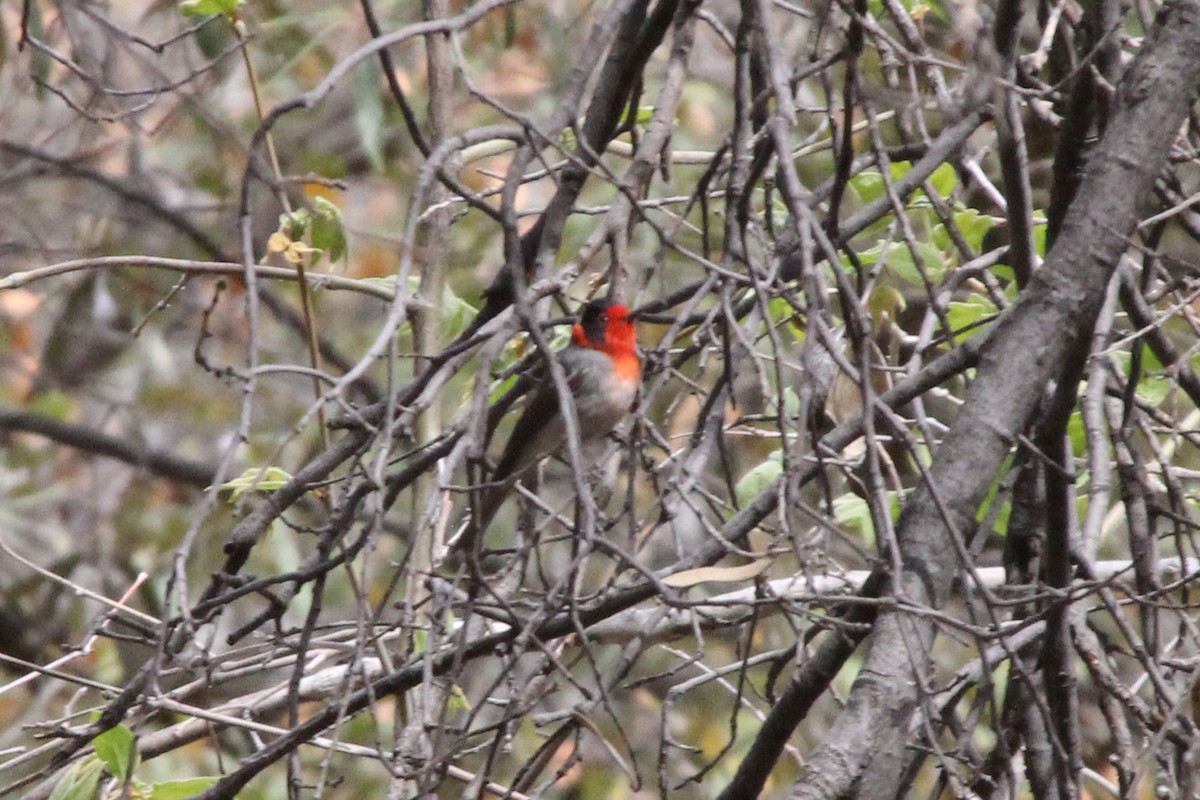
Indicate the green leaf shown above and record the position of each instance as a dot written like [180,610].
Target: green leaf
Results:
[964,316]
[1153,390]
[325,208]
[754,482]
[255,479]
[1000,526]
[993,492]
[387,282]
[1005,273]
[567,140]
[106,662]
[457,313]
[944,180]
[1077,433]
[791,403]
[899,259]
[1039,239]
[53,403]
[871,255]
[885,304]
[213,39]
[207,8]
[642,116]
[503,389]
[117,749]
[328,232]
[973,226]
[899,169]
[183,788]
[868,185]
[1150,361]
[1153,387]
[295,223]
[780,310]
[81,781]
[457,701]
[853,513]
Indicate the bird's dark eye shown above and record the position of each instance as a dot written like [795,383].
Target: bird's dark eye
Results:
[604,318]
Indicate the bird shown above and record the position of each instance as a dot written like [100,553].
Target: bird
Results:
[603,373]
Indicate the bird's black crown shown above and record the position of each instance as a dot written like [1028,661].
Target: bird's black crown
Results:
[594,319]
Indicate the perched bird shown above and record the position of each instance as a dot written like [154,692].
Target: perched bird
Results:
[603,372]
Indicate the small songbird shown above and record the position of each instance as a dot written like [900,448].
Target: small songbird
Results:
[603,373]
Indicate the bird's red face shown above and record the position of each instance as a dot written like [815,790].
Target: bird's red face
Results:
[607,327]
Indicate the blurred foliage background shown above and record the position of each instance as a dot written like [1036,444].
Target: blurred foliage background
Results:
[154,399]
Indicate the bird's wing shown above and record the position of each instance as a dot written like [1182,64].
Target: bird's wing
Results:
[527,382]
[540,427]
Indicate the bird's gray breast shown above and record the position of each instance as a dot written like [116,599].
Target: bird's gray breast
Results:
[601,398]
